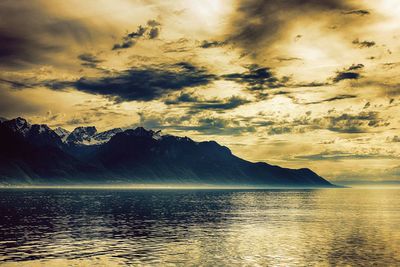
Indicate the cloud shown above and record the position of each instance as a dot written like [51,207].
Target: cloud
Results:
[30,34]
[351,73]
[230,103]
[197,103]
[256,78]
[356,67]
[350,123]
[362,122]
[279,130]
[331,99]
[363,44]
[360,12]
[340,155]
[212,44]
[89,60]
[287,59]
[346,76]
[208,125]
[15,84]
[140,84]
[218,126]
[152,29]
[258,23]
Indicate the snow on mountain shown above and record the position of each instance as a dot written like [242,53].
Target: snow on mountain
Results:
[18,125]
[82,135]
[40,129]
[79,136]
[62,133]
[105,136]
[90,136]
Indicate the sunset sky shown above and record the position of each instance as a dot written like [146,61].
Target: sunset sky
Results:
[297,83]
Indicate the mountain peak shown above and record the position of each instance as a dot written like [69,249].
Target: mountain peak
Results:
[105,136]
[82,135]
[18,125]
[62,133]
[140,131]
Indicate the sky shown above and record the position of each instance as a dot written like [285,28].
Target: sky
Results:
[297,83]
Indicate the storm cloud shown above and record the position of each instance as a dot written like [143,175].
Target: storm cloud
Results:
[256,78]
[140,84]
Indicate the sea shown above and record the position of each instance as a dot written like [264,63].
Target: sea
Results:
[199,227]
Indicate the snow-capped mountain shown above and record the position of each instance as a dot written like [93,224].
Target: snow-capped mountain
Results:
[89,136]
[37,134]
[105,136]
[36,154]
[62,133]
[82,135]
[19,125]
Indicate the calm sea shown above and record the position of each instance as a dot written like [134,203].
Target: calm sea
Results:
[80,227]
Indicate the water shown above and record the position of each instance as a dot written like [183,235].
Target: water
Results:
[75,227]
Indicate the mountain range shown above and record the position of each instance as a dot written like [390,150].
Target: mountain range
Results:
[35,154]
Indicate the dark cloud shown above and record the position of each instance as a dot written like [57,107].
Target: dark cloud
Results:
[362,122]
[279,130]
[212,44]
[151,29]
[153,23]
[125,44]
[258,23]
[331,99]
[346,76]
[182,98]
[286,59]
[153,33]
[350,123]
[351,73]
[141,84]
[196,103]
[355,67]
[29,34]
[257,78]
[363,44]
[129,40]
[15,84]
[89,60]
[360,12]
[230,103]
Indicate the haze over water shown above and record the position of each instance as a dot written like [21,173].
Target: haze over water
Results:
[60,227]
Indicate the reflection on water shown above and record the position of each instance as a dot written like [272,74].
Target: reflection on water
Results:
[204,227]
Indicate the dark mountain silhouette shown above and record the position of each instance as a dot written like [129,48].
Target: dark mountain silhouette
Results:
[35,154]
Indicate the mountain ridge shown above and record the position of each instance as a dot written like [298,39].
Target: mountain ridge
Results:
[37,154]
